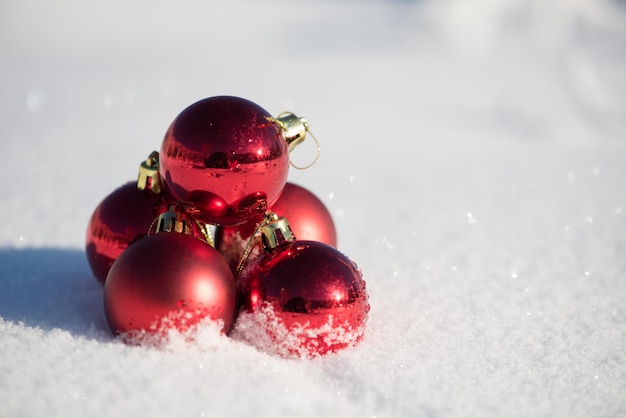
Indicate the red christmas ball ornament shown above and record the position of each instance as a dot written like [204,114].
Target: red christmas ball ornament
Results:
[227,156]
[308,218]
[301,298]
[168,280]
[123,217]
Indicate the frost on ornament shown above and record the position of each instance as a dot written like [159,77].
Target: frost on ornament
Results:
[300,298]
[169,273]
[266,330]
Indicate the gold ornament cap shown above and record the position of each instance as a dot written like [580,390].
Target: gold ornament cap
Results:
[295,130]
[276,232]
[149,177]
[180,221]
[173,221]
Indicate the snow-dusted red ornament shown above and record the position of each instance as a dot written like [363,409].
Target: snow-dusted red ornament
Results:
[123,217]
[308,218]
[300,298]
[227,156]
[169,280]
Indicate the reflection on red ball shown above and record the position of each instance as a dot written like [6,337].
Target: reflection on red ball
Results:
[311,298]
[308,218]
[122,218]
[169,279]
[227,156]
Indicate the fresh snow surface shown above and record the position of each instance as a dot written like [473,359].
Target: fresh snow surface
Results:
[473,158]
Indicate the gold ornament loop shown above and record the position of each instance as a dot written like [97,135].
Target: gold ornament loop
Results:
[205,231]
[317,155]
[295,130]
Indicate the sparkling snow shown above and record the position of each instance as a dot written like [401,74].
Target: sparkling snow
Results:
[473,157]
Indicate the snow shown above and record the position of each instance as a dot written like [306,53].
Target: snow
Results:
[473,158]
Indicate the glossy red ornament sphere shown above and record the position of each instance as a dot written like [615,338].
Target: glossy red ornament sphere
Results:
[227,156]
[122,218]
[306,297]
[308,217]
[168,279]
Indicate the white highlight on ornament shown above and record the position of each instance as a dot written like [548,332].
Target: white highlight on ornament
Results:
[205,290]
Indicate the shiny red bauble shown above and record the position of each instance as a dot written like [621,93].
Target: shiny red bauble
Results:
[302,298]
[308,218]
[122,218]
[170,280]
[227,156]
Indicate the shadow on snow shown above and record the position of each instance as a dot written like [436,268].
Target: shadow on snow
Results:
[51,288]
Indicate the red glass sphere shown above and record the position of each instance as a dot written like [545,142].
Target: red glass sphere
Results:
[122,218]
[169,277]
[312,297]
[227,156]
[308,218]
